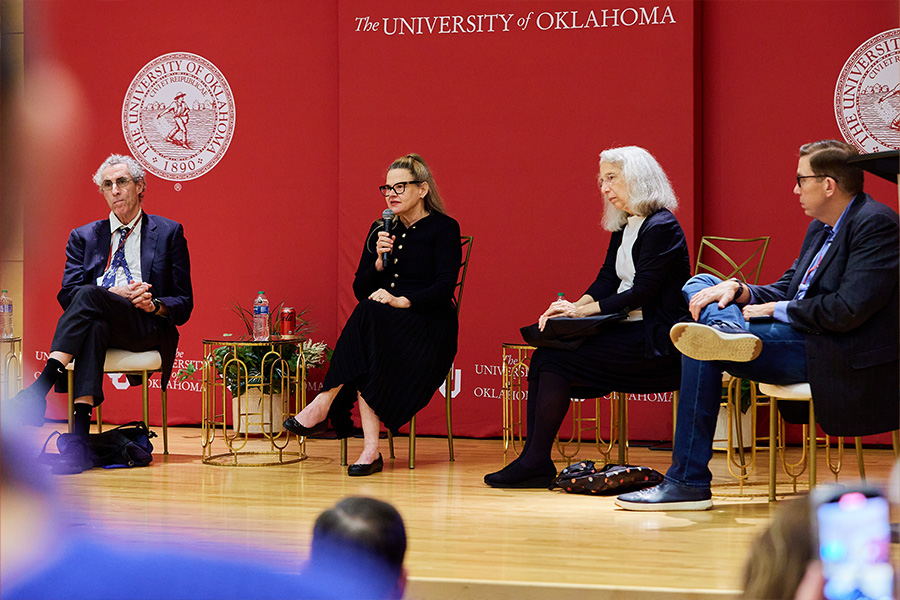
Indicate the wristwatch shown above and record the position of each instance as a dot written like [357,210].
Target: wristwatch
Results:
[740,291]
[156,306]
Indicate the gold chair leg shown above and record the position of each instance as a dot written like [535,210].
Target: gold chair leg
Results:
[773,444]
[812,445]
[165,421]
[100,418]
[344,452]
[145,396]
[895,442]
[622,400]
[859,458]
[674,414]
[412,443]
[448,401]
[391,443]
[71,379]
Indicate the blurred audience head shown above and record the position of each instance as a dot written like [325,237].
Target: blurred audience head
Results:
[780,555]
[365,539]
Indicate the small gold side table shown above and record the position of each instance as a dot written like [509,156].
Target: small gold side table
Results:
[11,368]
[262,421]
[513,394]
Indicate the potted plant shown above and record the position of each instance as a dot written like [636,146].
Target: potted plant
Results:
[257,375]
[745,418]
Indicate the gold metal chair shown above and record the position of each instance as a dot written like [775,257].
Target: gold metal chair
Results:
[129,363]
[801,392]
[515,361]
[726,258]
[618,427]
[719,256]
[466,241]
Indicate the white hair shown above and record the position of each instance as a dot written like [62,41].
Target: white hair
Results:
[648,186]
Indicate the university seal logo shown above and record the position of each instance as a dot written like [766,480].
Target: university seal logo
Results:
[178,116]
[867,95]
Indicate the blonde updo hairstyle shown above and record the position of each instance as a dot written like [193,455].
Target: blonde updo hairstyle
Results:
[415,164]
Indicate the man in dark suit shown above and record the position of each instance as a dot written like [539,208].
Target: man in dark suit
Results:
[830,320]
[126,284]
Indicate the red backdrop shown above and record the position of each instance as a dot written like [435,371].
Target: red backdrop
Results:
[510,112]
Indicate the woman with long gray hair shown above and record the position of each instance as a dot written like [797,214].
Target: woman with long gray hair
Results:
[646,265]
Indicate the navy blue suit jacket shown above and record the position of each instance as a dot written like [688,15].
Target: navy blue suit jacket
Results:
[849,319]
[165,264]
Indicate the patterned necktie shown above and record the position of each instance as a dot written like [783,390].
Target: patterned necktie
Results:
[817,260]
[118,261]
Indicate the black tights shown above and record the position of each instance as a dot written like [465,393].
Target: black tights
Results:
[549,396]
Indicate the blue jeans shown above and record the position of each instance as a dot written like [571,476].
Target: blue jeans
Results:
[782,361]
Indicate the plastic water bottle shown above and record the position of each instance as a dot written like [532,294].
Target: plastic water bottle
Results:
[261,318]
[6,316]
[560,296]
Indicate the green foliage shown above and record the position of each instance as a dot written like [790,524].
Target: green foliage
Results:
[263,365]
[746,389]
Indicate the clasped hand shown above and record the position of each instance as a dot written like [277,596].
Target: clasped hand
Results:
[723,293]
[138,293]
[560,308]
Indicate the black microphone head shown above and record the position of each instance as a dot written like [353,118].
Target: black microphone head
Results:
[388,214]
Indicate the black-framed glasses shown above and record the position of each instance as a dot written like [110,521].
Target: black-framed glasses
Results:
[800,178]
[398,188]
[121,182]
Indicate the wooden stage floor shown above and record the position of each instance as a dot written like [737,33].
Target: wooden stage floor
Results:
[466,540]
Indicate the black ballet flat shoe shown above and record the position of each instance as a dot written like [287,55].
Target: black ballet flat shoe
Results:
[516,476]
[363,469]
[294,426]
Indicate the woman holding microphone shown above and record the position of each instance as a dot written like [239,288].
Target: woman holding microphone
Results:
[398,344]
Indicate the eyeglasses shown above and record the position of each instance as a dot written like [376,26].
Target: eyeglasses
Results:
[121,182]
[609,179]
[398,188]
[800,178]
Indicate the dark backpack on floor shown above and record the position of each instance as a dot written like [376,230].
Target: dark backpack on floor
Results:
[584,478]
[127,445]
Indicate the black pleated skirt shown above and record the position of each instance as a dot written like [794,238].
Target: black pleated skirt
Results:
[396,358]
[611,361]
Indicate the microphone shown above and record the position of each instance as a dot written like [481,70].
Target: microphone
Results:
[387,216]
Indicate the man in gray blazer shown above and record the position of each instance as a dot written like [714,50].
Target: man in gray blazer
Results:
[830,320]
[126,284]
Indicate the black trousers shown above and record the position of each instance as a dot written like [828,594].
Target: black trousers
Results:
[95,320]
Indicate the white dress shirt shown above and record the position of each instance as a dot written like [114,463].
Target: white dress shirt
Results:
[132,249]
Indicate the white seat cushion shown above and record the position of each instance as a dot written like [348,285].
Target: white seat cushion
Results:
[793,391]
[123,361]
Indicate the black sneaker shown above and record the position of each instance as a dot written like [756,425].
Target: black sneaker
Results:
[667,496]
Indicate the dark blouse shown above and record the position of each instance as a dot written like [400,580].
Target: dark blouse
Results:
[661,267]
[423,265]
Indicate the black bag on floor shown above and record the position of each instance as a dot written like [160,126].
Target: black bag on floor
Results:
[127,445]
[584,478]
